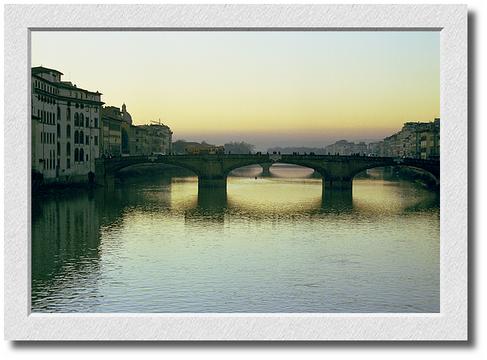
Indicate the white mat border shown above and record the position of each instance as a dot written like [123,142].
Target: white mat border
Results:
[450,324]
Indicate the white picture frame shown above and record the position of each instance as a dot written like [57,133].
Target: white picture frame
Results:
[452,321]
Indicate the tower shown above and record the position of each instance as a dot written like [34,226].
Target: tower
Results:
[125,115]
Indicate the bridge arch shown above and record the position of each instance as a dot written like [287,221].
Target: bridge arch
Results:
[194,171]
[312,166]
[113,166]
[428,171]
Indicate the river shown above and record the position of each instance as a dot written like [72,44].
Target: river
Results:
[270,244]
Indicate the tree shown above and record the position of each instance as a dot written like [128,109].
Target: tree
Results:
[239,148]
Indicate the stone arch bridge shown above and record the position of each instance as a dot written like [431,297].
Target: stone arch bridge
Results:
[212,170]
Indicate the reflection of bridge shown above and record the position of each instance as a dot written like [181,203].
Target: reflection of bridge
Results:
[212,170]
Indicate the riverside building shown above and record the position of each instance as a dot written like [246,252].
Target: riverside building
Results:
[65,128]
[122,138]
[344,147]
[111,118]
[159,138]
[419,140]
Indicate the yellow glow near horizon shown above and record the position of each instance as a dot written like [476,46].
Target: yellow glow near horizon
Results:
[239,85]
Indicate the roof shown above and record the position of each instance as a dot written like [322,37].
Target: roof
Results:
[64,84]
[42,69]
[69,85]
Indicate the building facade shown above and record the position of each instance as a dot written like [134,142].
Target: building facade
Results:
[65,127]
[419,140]
[375,148]
[111,118]
[344,147]
[159,138]
[430,140]
[138,141]
[122,138]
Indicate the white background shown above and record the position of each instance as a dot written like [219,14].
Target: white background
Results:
[475,349]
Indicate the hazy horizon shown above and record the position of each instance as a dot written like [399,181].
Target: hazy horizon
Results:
[272,88]
[265,142]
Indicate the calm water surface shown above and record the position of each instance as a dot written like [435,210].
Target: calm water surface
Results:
[268,245]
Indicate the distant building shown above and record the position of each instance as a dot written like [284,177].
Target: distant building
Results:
[122,137]
[179,146]
[125,115]
[375,148]
[415,140]
[430,140]
[111,118]
[138,141]
[344,147]
[65,127]
[159,138]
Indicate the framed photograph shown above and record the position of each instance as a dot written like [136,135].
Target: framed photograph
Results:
[236,172]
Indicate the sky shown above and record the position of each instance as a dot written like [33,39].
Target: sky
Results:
[270,88]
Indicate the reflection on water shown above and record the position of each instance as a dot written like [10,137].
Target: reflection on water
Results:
[266,244]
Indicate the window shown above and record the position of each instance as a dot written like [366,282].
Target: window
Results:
[81,120]
[81,155]
[96,140]
[87,140]
[68,131]
[68,149]
[58,130]
[76,155]
[76,119]
[68,114]
[87,157]
[96,122]
[76,137]
[58,148]
[81,137]
[58,113]
[68,163]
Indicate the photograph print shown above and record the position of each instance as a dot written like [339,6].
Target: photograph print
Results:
[235,171]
